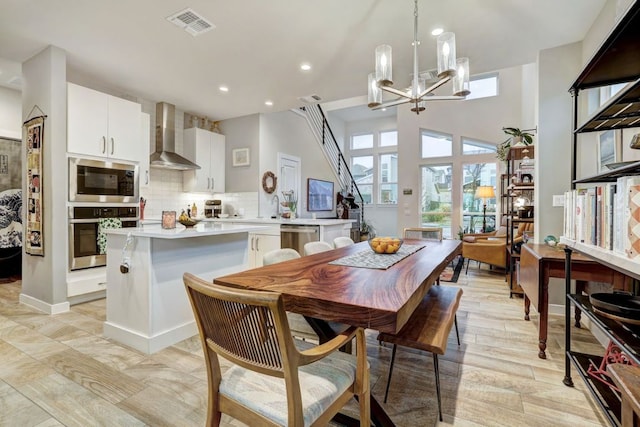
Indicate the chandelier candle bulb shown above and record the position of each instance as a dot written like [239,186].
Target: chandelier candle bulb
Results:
[383,65]
[446,55]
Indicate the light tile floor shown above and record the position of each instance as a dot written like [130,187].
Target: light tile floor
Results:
[59,370]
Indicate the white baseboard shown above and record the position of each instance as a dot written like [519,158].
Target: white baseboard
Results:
[148,344]
[45,307]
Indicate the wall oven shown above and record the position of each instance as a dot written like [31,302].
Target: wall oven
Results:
[102,181]
[86,232]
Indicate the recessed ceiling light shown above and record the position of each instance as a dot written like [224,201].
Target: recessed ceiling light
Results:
[437,32]
[268,103]
[223,89]
[305,67]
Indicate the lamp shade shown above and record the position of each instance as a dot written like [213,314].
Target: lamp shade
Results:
[485,192]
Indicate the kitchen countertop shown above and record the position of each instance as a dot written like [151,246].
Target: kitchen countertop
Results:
[204,228]
[266,221]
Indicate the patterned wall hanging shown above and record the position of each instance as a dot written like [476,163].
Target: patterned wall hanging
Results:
[33,134]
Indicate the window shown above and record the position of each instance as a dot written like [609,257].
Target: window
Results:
[389,139]
[389,178]
[435,198]
[470,146]
[483,86]
[362,171]
[434,144]
[475,175]
[362,141]
[374,166]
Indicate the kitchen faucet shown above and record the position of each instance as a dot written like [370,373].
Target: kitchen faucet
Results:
[277,199]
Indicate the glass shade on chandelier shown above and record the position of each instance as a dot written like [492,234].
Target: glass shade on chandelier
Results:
[446,55]
[375,93]
[383,65]
[421,90]
[461,79]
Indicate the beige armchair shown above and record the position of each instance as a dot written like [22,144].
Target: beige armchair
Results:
[491,248]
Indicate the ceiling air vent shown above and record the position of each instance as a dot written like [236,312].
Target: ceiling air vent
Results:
[310,99]
[190,21]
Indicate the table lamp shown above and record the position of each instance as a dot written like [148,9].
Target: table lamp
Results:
[485,192]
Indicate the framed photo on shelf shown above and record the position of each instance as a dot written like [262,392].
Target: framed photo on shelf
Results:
[608,149]
[241,157]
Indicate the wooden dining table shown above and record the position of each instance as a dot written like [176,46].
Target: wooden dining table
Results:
[380,299]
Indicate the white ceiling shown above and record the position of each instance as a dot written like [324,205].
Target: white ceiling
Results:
[257,46]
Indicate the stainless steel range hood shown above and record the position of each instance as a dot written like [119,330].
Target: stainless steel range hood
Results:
[165,155]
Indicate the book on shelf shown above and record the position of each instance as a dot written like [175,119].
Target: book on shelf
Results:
[606,215]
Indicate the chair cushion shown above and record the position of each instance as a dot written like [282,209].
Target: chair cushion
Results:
[469,239]
[321,383]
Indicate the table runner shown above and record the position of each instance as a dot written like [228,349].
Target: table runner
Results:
[370,259]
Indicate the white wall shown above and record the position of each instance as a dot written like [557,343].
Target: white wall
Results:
[10,113]
[45,84]
[242,132]
[289,133]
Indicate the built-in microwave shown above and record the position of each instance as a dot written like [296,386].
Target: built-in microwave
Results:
[102,181]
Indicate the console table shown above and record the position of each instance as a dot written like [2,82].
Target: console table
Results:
[538,263]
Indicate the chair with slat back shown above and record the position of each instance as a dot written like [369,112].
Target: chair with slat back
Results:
[424,233]
[271,382]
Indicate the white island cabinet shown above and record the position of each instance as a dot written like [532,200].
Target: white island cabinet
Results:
[147,307]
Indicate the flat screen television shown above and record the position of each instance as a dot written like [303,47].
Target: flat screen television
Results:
[319,195]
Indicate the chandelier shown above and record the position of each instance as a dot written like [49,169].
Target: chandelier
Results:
[449,68]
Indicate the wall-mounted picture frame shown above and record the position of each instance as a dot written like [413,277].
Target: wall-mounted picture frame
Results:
[319,195]
[241,157]
[608,149]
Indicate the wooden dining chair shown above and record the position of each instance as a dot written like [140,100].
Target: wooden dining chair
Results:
[316,247]
[424,233]
[271,381]
[342,241]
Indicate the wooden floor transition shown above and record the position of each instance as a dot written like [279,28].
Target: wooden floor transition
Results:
[59,370]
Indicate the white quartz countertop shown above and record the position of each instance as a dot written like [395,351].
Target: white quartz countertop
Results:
[204,228]
[266,221]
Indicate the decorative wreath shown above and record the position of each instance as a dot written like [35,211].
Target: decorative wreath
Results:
[269,182]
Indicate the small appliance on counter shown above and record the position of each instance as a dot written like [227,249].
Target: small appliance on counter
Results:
[212,208]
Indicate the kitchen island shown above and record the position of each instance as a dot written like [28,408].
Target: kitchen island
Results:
[147,306]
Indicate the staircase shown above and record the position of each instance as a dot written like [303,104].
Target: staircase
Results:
[323,133]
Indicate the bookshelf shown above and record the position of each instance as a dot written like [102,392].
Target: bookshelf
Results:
[615,61]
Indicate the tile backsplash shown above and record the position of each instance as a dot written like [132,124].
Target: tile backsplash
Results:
[164,193]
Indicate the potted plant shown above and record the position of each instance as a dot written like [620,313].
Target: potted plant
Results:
[515,136]
[364,230]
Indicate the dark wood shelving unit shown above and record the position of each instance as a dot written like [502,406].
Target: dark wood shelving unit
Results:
[616,61]
[514,189]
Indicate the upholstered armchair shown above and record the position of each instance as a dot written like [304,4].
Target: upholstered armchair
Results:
[491,248]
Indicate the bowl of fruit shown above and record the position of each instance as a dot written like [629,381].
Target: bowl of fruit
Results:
[186,220]
[385,245]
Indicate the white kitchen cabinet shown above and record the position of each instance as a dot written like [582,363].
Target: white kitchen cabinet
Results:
[102,125]
[145,149]
[330,232]
[207,150]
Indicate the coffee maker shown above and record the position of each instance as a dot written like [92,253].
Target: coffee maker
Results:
[212,208]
